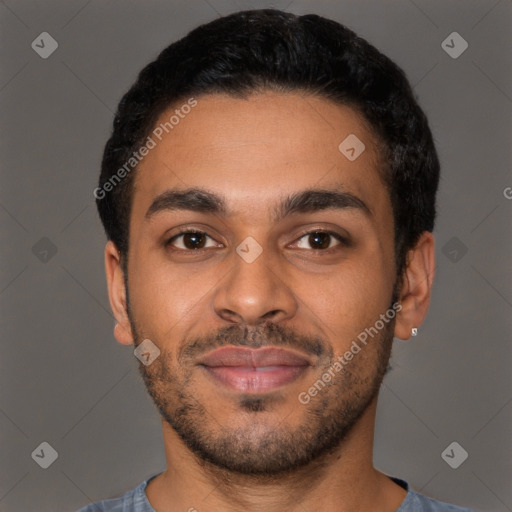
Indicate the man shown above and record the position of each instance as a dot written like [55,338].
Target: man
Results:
[268,195]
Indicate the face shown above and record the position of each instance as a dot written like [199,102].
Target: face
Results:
[259,254]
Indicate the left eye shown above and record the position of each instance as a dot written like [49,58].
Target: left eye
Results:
[191,240]
[319,240]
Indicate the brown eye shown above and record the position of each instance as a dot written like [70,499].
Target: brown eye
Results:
[190,241]
[194,240]
[319,240]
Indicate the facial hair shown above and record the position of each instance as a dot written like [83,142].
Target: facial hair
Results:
[257,448]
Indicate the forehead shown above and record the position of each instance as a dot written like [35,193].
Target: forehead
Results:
[252,150]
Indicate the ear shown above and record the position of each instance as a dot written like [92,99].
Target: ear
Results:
[416,286]
[117,294]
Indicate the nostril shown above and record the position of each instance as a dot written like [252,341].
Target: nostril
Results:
[231,316]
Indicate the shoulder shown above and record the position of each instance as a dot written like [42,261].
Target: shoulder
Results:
[134,500]
[415,502]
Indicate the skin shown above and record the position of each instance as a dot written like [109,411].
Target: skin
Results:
[253,152]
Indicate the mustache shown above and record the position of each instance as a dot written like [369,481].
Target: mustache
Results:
[266,334]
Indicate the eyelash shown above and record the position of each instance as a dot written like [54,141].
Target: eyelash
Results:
[343,240]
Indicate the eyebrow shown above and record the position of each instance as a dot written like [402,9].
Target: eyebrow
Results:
[306,201]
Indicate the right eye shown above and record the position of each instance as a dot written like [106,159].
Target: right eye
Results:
[190,240]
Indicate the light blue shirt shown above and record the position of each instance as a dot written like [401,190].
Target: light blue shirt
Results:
[135,500]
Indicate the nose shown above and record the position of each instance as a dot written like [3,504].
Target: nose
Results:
[255,292]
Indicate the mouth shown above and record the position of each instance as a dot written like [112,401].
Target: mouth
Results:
[254,370]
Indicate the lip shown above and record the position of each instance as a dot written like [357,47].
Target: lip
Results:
[254,370]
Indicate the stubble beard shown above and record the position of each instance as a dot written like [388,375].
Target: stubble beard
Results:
[259,448]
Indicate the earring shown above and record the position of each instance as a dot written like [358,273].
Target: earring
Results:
[414,331]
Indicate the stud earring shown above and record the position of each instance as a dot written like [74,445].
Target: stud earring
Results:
[414,331]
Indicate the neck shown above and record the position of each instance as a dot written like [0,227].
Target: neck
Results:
[343,480]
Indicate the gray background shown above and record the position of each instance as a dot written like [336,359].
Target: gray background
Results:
[63,377]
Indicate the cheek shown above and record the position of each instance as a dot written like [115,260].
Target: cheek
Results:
[351,297]
[162,297]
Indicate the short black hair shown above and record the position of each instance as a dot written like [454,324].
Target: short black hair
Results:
[268,49]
